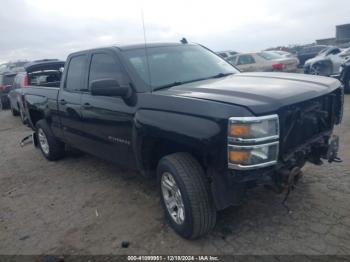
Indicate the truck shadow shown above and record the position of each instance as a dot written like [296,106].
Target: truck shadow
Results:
[262,209]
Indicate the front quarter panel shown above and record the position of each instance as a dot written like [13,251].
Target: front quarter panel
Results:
[196,124]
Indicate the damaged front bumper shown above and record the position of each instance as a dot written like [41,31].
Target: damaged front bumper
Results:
[228,187]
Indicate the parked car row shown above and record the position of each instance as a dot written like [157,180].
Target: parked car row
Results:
[181,114]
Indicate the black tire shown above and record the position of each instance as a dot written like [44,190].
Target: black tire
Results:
[3,102]
[200,212]
[56,148]
[14,112]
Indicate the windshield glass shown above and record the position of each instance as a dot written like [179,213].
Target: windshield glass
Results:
[269,55]
[176,64]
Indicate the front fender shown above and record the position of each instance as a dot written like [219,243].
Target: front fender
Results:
[204,135]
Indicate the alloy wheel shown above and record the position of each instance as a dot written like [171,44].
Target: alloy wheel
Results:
[172,198]
[43,141]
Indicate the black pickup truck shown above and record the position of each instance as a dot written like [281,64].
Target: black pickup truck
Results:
[182,114]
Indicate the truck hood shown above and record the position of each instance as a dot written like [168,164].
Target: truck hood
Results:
[261,93]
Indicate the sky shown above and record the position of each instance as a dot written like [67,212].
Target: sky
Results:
[37,29]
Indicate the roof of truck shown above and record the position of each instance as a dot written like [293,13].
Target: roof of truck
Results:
[130,47]
[148,45]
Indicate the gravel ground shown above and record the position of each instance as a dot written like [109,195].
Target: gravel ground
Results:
[83,205]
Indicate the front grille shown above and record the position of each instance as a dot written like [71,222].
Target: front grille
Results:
[304,121]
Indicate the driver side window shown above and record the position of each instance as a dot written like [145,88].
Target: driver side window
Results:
[103,66]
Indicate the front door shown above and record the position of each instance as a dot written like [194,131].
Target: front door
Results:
[108,120]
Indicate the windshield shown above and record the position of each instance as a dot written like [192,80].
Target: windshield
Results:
[269,55]
[177,64]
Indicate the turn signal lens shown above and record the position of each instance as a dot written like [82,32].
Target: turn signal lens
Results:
[250,128]
[239,130]
[239,156]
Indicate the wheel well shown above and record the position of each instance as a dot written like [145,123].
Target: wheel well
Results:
[35,116]
[153,149]
[325,66]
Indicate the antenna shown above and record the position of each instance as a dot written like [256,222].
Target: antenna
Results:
[184,41]
[146,51]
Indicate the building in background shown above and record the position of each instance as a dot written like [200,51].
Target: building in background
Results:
[342,33]
[326,41]
[341,39]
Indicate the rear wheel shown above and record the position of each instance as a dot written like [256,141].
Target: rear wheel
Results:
[14,111]
[185,195]
[315,70]
[51,147]
[3,102]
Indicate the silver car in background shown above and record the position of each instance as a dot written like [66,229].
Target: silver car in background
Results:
[327,62]
[265,61]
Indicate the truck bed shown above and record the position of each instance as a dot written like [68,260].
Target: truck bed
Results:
[40,99]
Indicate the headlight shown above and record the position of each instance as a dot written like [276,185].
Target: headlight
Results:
[249,157]
[340,69]
[253,141]
[253,129]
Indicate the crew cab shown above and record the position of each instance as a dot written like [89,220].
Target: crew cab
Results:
[182,114]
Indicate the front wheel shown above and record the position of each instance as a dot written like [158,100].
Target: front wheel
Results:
[50,146]
[188,205]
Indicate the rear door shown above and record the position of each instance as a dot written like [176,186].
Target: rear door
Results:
[69,101]
[108,120]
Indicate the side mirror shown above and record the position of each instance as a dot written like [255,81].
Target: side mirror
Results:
[109,87]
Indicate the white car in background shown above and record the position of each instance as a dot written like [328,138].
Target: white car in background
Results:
[265,61]
[327,62]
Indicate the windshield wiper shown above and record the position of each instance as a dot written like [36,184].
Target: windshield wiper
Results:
[221,75]
[176,83]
